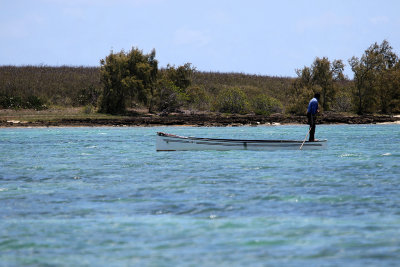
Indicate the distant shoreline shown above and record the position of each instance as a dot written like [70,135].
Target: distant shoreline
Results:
[199,120]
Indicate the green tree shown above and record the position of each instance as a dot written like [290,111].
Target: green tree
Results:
[324,74]
[393,78]
[180,76]
[171,93]
[323,77]
[373,81]
[387,73]
[125,75]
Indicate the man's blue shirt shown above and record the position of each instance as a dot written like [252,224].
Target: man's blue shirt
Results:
[313,106]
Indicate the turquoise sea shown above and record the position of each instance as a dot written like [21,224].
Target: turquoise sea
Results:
[104,196]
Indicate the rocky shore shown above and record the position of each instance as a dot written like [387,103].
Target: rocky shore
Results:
[212,120]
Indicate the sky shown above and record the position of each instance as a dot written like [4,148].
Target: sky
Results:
[255,37]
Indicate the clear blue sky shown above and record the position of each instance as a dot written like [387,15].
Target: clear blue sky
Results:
[252,36]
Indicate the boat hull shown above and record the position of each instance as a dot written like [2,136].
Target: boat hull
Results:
[169,142]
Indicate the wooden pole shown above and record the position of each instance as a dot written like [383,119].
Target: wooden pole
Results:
[305,138]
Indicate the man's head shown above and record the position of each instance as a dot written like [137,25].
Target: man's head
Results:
[317,96]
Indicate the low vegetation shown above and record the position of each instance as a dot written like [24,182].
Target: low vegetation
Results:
[49,86]
[132,80]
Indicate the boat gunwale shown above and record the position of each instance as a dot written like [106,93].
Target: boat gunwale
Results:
[162,134]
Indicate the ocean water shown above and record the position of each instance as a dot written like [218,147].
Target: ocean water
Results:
[104,196]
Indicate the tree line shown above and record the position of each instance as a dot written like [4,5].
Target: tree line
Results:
[133,77]
[374,89]
[127,80]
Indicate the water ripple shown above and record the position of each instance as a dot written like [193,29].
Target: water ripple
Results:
[85,196]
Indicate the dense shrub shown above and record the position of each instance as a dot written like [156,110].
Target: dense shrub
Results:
[34,102]
[231,100]
[7,101]
[87,96]
[265,105]
[252,85]
[51,85]
[170,93]
[343,102]
[17,102]
[169,97]
[198,98]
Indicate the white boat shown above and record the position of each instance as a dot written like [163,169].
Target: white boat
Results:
[170,142]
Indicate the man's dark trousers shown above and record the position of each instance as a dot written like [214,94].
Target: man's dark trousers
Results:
[311,122]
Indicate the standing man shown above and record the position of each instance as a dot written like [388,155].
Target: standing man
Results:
[312,115]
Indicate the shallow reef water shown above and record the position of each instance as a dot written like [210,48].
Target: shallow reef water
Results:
[103,195]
